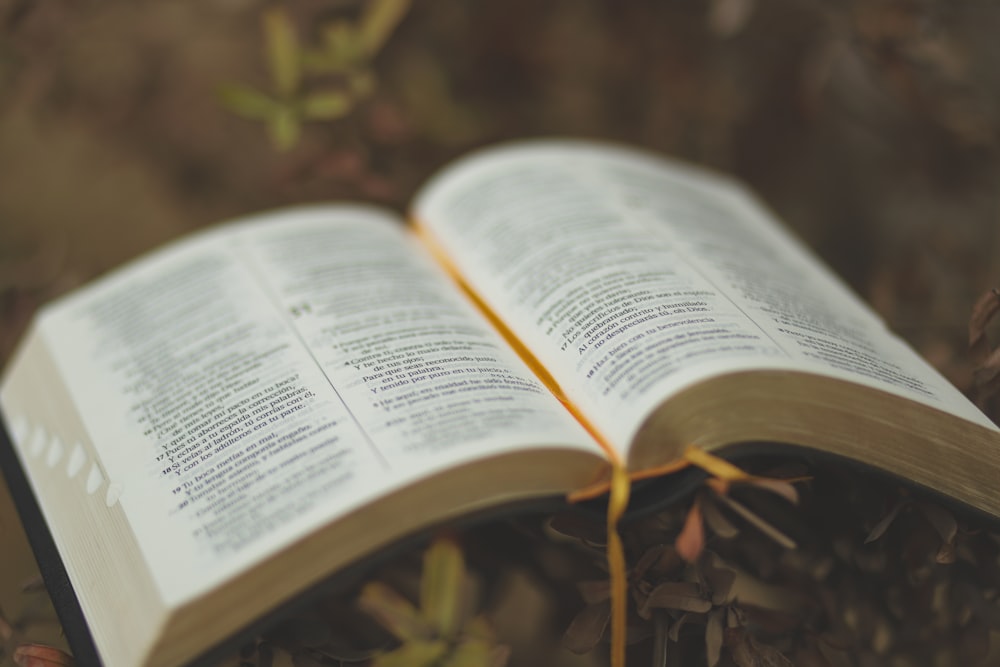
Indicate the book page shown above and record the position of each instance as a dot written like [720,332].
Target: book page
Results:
[246,386]
[630,278]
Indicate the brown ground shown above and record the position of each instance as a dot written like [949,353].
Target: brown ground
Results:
[870,126]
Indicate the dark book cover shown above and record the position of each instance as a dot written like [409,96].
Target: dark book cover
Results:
[50,563]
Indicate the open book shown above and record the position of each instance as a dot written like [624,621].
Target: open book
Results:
[212,429]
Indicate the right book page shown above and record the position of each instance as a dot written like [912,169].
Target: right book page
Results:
[631,278]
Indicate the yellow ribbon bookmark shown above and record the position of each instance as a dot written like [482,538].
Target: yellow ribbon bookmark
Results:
[714,466]
[617,503]
[619,489]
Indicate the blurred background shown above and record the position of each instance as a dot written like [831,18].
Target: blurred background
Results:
[869,126]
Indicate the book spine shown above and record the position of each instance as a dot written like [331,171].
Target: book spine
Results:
[50,564]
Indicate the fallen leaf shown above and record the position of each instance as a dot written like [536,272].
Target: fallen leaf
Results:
[720,581]
[587,628]
[679,595]
[717,522]
[714,631]
[39,655]
[593,592]
[780,487]
[886,521]
[657,560]
[690,541]
[759,523]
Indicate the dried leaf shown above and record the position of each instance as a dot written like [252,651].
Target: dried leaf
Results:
[414,653]
[587,628]
[248,102]
[714,630]
[680,595]
[393,611]
[983,312]
[39,655]
[947,554]
[326,106]
[657,560]
[283,55]
[717,521]
[886,521]
[720,580]
[379,20]
[779,487]
[691,540]
[759,523]
[594,591]
[441,587]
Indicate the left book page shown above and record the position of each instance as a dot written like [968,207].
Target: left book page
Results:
[244,387]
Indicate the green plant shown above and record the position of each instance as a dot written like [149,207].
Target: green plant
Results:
[343,62]
[443,631]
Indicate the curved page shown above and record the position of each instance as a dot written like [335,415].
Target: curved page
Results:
[253,383]
[631,277]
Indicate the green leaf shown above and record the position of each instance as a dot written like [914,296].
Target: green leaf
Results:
[394,612]
[283,56]
[326,105]
[248,102]
[343,46]
[285,128]
[414,653]
[320,61]
[471,653]
[714,635]
[379,20]
[441,587]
